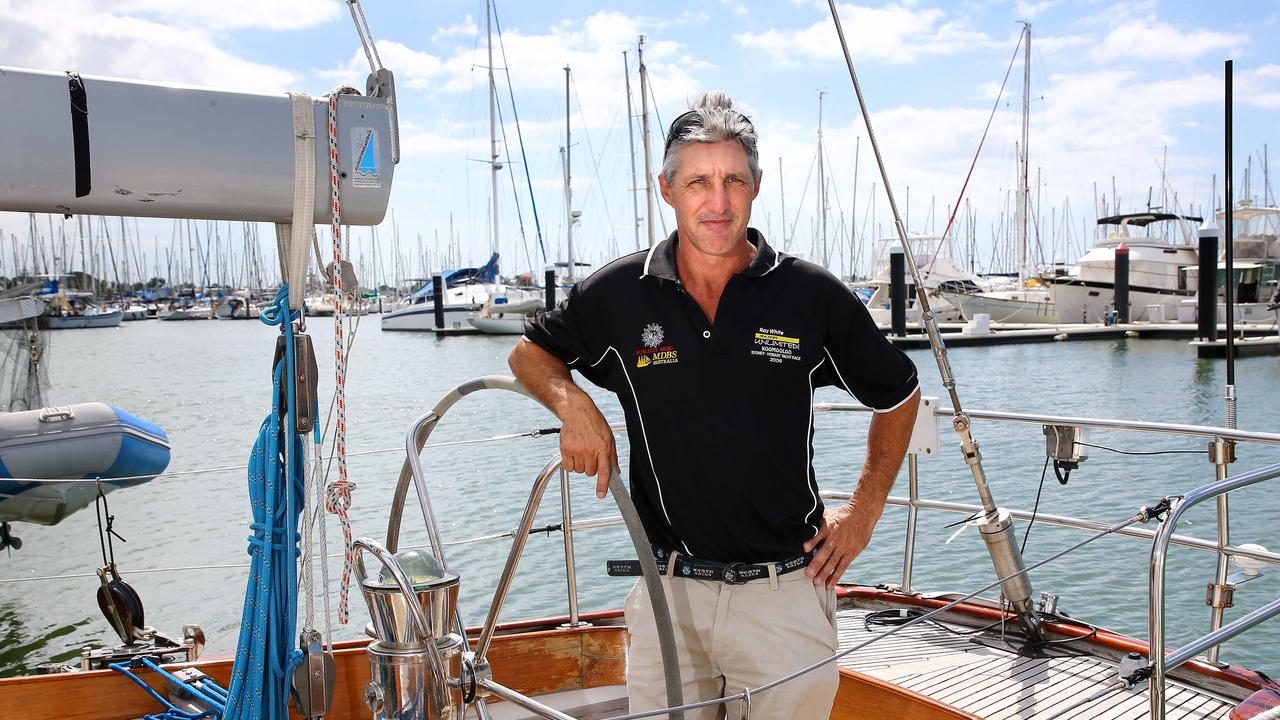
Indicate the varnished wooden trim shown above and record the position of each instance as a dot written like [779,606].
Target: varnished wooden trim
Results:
[532,663]
[862,696]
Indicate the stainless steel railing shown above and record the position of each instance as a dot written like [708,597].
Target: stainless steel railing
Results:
[913,502]
[1160,664]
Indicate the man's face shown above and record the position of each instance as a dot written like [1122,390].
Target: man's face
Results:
[712,193]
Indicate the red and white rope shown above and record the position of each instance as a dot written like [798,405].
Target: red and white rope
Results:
[338,496]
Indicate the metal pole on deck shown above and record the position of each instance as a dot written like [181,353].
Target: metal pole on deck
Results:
[1224,450]
[997,524]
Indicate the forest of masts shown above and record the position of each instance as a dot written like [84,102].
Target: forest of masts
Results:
[110,257]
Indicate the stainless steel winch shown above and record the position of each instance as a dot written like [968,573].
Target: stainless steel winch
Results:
[414,657]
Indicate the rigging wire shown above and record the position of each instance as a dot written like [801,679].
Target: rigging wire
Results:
[804,192]
[506,68]
[981,142]
[595,160]
[515,192]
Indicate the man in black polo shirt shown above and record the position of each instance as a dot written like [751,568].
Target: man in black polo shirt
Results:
[714,343]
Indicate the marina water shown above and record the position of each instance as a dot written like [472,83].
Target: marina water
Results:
[208,385]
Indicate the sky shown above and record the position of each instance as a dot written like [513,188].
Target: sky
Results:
[1126,109]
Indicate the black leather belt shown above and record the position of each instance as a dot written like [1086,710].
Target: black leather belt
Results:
[734,573]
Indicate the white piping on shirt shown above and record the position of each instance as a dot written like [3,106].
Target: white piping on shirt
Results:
[877,411]
[777,260]
[648,256]
[644,435]
[900,402]
[813,484]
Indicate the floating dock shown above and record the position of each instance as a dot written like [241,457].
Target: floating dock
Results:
[1244,347]
[454,331]
[1256,336]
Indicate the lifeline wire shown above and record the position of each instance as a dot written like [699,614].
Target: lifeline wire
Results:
[1142,516]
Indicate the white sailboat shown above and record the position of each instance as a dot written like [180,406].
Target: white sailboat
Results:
[1028,301]
[467,291]
[943,279]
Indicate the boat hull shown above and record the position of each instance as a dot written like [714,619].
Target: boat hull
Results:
[49,458]
[512,325]
[1089,301]
[75,322]
[1002,309]
[422,317]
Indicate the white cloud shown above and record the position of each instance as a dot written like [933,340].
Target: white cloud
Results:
[94,42]
[1259,87]
[897,33]
[231,14]
[1027,10]
[413,68]
[1151,40]
[465,29]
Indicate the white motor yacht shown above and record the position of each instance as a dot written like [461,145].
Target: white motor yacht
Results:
[1255,265]
[1157,282]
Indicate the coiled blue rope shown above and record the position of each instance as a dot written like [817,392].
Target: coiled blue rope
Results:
[265,653]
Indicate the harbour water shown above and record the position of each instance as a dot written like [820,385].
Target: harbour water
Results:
[208,383]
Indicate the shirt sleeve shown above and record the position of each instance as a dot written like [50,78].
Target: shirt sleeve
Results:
[569,332]
[863,362]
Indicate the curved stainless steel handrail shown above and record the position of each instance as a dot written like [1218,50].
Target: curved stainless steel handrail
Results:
[417,437]
[1160,664]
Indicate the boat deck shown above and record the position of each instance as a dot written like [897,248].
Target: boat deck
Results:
[973,673]
[980,677]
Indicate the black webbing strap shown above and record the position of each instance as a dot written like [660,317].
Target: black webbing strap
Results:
[80,133]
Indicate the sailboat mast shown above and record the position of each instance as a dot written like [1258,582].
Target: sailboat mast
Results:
[782,193]
[1022,158]
[822,190]
[644,136]
[568,179]
[493,127]
[631,138]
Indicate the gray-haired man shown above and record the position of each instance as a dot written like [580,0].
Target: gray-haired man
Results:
[714,343]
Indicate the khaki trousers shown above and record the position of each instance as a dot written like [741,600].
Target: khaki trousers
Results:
[733,636]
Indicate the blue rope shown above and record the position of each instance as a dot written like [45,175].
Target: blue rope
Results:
[265,654]
[209,692]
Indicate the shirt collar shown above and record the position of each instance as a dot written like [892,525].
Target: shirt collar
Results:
[661,260]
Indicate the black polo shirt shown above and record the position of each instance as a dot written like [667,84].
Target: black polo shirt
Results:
[720,417]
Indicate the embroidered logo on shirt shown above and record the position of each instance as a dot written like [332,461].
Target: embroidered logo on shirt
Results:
[774,344]
[652,335]
[654,352]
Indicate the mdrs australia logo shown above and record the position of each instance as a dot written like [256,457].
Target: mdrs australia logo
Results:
[665,355]
[654,352]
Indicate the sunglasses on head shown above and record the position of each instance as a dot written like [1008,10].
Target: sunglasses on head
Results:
[687,120]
